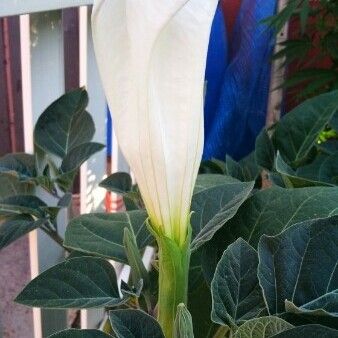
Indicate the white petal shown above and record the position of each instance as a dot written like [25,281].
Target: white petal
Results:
[151,56]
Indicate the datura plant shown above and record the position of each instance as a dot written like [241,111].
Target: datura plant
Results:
[244,249]
[153,77]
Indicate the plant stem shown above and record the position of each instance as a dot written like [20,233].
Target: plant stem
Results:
[173,281]
[54,236]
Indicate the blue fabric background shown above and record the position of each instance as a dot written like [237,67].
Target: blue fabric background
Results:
[238,87]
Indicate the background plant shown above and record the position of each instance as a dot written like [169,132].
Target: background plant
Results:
[312,48]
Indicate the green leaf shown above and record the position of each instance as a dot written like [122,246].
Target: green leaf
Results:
[22,204]
[236,293]
[328,171]
[102,234]
[264,150]
[269,211]
[213,207]
[10,186]
[300,265]
[306,176]
[183,323]
[14,227]
[120,183]
[74,333]
[245,170]
[138,270]
[212,166]
[308,331]
[199,305]
[65,180]
[65,200]
[134,324]
[19,164]
[326,305]
[297,132]
[65,124]
[84,282]
[207,181]
[78,155]
[264,327]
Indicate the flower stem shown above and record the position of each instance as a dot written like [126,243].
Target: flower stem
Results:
[173,281]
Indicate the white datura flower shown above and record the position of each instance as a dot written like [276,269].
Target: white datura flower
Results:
[151,56]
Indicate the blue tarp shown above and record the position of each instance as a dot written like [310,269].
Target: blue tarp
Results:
[238,85]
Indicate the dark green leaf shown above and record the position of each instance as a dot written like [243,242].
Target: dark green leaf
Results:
[14,227]
[236,293]
[120,183]
[10,186]
[308,331]
[300,265]
[207,181]
[269,212]
[74,333]
[264,327]
[212,166]
[21,165]
[264,151]
[250,170]
[307,176]
[134,324]
[297,132]
[84,282]
[183,323]
[65,181]
[65,124]
[213,207]
[328,171]
[199,304]
[102,234]
[65,200]
[78,155]
[22,204]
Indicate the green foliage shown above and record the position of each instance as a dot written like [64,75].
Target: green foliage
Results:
[236,294]
[102,234]
[134,324]
[262,261]
[84,282]
[62,138]
[314,43]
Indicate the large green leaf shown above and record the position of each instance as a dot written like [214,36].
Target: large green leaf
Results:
[65,124]
[78,155]
[22,204]
[102,234]
[307,176]
[200,305]
[134,324]
[183,323]
[84,282]
[10,186]
[269,212]
[236,293]
[16,226]
[308,331]
[297,132]
[213,207]
[245,170]
[207,181]
[120,183]
[74,333]
[18,164]
[264,327]
[300,266]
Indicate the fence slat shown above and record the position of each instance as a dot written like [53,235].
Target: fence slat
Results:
[16,7]
[94,170]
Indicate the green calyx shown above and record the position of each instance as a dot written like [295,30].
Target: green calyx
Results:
[173,264]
